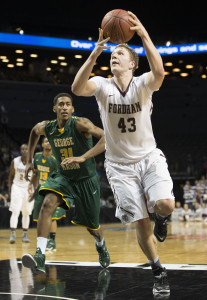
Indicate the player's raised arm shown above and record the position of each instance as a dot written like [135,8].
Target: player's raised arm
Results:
[36,132]
[157,74]
[81,85]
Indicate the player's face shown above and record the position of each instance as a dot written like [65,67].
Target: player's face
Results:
[63,108]
[24,150]
[46,144]
[120,61]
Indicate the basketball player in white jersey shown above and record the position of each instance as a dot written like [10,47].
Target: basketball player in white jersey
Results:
[18,190]
[136,169]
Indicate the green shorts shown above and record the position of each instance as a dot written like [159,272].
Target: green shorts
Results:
[85,194]
[58,213]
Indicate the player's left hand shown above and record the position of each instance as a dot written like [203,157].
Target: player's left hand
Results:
[70,160]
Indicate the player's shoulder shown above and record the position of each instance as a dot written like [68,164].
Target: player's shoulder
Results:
[100,79]
[49,125]
[51,122]
[75,118]
[17,159]
[37,154]
[140,78]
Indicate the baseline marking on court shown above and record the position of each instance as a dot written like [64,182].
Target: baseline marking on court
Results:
[190,267]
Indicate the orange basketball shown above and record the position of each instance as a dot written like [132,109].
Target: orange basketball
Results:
[116,25]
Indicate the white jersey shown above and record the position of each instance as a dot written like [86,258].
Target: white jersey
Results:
[19,177]
[126,118]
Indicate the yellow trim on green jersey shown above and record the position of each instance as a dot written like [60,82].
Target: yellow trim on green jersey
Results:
[56,193]
[85,226]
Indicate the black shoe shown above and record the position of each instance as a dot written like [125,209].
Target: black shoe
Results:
[161,284]
[160,227]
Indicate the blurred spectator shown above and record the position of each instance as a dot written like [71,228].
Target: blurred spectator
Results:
[187,213]
[197,212]
[189,165]
[204,211]
[189,196]
[177,213]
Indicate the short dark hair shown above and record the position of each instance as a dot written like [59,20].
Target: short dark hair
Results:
[134,56]
[25,144]
[61,95]
[43,139]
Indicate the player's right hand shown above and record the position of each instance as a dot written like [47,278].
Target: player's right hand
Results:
[100,45]
[29,167]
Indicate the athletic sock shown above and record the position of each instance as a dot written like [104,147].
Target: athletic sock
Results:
[52,235]
[100,244]
[155,265]
[41,243]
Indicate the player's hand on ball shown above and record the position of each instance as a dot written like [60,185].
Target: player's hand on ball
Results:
[138,27]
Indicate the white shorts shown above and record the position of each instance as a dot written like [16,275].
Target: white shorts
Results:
[19,200]
[138,186]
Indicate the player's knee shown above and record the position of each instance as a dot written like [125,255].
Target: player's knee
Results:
[170,205]
[165,206]
[50,203]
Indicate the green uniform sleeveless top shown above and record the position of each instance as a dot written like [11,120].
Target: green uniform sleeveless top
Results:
[44,166]
[67,142]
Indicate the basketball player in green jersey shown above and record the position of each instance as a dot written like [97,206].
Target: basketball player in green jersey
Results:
[75,181]
[44,164]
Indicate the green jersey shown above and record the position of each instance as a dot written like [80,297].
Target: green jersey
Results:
[68,142]
[44,166]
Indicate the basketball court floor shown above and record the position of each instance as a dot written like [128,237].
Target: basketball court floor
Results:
[73,271]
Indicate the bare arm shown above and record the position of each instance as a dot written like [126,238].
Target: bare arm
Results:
[34,179]
[81,85]
[156,76]
[36,132]
[33,185]
[87,128]
[11,176]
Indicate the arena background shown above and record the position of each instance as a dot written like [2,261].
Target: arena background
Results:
[179,113]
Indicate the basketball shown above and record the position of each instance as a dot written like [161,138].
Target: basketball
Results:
[116,25]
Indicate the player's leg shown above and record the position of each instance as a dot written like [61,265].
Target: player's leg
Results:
[104,257]
[126,183]
[50,203]
[58,214]
[26,209]
[51,245]
[15,208]
[13,225]
[158,188]
[162,209]
[87,211]
[148,244]
[37,262]
[25,226]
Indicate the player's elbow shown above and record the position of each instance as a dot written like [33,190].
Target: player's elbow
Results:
[75,90]
[160,73]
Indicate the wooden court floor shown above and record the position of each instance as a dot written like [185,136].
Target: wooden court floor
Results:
[186,244]
[74,273]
